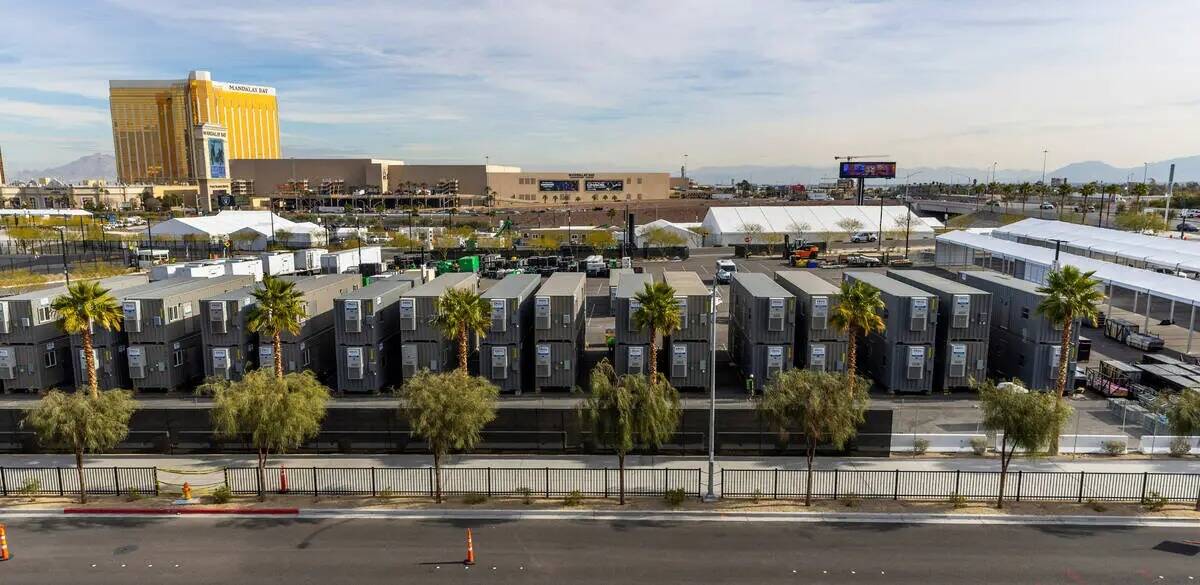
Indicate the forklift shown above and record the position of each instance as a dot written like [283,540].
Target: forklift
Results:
[799,254]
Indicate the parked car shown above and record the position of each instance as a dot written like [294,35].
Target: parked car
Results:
[725,270]
[862,237]
[1046,206]
[1186,227]
[992,203]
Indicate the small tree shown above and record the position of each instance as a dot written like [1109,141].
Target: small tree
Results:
[1070,294]
[600,239]
[461,312]
[658,237]
[826,407]
[1030,421]
[87,304]
[753,231]
[659,313]
[858,314]
[629,411]
[1183,413]
[772,239]
[276,414]
[83,422]
[1136,221]
[449,411]
[278,307]
[850,224]
[546,244]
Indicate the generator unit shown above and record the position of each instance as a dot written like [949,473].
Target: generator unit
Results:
[964,325]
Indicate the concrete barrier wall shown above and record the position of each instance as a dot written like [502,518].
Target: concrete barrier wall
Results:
[1081,443]
[1159,444]
[938,443]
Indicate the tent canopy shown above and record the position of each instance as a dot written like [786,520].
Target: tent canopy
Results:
[1124,247]
[731,224]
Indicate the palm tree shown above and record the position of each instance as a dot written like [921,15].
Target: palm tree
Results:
[1064,191]
[858,313]
[1087,190]
[658,313]
[1024,190]
[278,307]
[1111,191]
[1139,190]
[87,304]
[461,311]
[1070,294]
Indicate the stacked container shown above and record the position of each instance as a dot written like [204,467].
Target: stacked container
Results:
[614,277]
[1023,344]
[308,261]
[762,327]
[900,358]
[230,347]
[423,345]
[689,349]
[110,347]
[819,345]
[366,333]
[632,351]
[278,263]
[350,259]
[311,349]
[558,331]
[963,328]
[504,356]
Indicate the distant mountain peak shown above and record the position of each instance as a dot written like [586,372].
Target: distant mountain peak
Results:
[92,166]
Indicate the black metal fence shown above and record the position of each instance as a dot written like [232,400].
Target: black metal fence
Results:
[1067,486]
[544,482]
[64,481]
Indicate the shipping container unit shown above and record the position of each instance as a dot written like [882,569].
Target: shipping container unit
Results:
[614,277]
[230,347]
[423,345]
[762,327]
[505,356]
[818,345]
[632,350]
[900,359]
[164,329]
[251,266]
[348,260]
[963,328]
[312,349]
[558,331]
[278,263]
[366,330]
[1035,365]
[35,353]
[687,350]
[308,261]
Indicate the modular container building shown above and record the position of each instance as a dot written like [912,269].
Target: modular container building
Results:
[164,329]
[819,345]
[761,310]
[365,333]
[900,358]
[348,260]
[278,263]
[614,278]
[230,347]
[558,331]
[1014,307]
[504,356]
[763,361]
[695,306]
[688,364]
[109,347]
[963,328]
[1034,364]
[313,347]
[628,333]
[631,359]
[418,306]
[434,356]
[308,261]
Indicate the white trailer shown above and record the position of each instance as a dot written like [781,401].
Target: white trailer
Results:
[349,260]
[278,263]
[308,260]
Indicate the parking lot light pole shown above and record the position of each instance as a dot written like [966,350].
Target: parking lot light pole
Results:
[711,496]
[62,241]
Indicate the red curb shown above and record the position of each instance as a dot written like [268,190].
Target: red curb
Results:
[182,511]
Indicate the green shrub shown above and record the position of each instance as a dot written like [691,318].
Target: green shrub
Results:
[850,500]
[920,446]
[1180,446]
[133,495]
[222,495]
[574,498]
[1154,502]
[474,498]
[526,495]
[1114,448]
[387,493]
[675,497]
[979,445]
[1097,506]
[31,487]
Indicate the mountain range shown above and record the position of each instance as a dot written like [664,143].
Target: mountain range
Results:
[103,166]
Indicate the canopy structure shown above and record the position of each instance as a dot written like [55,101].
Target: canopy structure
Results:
[689,238]
[1032,263]
[733,225]
[1127,248]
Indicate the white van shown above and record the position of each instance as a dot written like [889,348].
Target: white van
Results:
[595,265]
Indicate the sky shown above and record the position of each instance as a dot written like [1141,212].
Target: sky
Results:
[633,85]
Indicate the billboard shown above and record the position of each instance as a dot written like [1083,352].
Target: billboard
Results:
[598,185]
[867,170]
[216,158]
[557,185]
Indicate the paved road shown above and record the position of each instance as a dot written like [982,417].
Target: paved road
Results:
[302,551]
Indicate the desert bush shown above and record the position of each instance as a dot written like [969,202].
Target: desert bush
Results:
[675,497]
[979,445]
[920,446]
[222,495]
[1114,448]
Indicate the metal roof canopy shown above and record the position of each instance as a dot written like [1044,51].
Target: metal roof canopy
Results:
[1178,254]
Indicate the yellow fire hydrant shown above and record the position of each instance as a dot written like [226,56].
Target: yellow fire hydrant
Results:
[187,491]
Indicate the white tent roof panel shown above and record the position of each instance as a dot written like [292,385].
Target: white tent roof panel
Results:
[1164,252]
[812,218]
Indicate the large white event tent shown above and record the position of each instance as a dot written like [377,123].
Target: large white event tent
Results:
[728,226]
[1128,248]
[257,225]
[1032,263]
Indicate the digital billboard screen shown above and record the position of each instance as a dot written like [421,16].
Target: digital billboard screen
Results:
[867,170]
[597,185]
[557,185]
[216,158]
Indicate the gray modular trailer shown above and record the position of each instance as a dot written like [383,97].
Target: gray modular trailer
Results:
[511,301]
[230,347]
[367,368]
[435,356]
[314,353]
[964,325]
[28,318]
[763,361]
[1014,306]
[826,356]
[816,298]
[688,364]
[958,364]
[507,366]
[319,293]
[366,335]
[898,367]
[168,314]
[418,306]
[166,366]
[558,308]
[631,359]
[761,310]
[614,278]
[909,313]
[37,366]
[694,300]
[1034,364]
[556,364]
[628,332]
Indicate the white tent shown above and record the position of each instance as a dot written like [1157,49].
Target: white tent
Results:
[251,229]
[1128,248]
[691,239]
[733,225]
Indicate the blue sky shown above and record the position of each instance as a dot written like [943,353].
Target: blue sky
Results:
[555,84]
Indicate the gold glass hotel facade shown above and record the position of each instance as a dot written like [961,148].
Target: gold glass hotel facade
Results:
[187,130]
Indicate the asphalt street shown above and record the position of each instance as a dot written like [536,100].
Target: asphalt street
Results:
[194,551]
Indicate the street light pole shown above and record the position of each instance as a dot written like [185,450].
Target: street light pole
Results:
[62,240]
[1044,154]
[908,214]
[711,496]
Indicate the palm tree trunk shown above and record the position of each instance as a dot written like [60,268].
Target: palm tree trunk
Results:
[89,361]
[812,451]
[462,349]
[79,471]
[653,354]
[852,355]
[621,475]
[277,342]
[1005,458]
[1064,356]
[437,475]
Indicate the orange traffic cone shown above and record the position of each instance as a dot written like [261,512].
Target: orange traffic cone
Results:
[470,550]
[3,544]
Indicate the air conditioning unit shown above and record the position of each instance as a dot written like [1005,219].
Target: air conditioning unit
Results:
[542,363]
[1055,355]
[216,315]
[352,313]
[132,311]
[958,360]
[774,360]
[499,363]
[408,314]
[4,326]
[541,313]
[8,363]
[499,315]
[354,363]
[820,313]
[636,360]
[679,361]
[683,311]
[408,360]
[634,307]
[916,363]
[817,357]
[918,313]
[962,312]
[221,362]
[137,363]
[775,314]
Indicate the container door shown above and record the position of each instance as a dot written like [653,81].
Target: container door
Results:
[217,317]
[636,362]
[408,360]
[499,315]
[541,313]
[918,313]
[775,314]
[499,363]
[220,362]
[132,311]
[137,363]
[962,312]
[679,361]
[542,363]
[352,312]
[354,363]
[8,363]
[817,357]
[820,313]
[958,358]
[408,314]
[774,359]
[916,363]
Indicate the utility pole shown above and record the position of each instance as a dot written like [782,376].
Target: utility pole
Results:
[711,496]
[1045,153]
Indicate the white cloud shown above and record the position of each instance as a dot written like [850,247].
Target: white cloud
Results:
[53,114]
